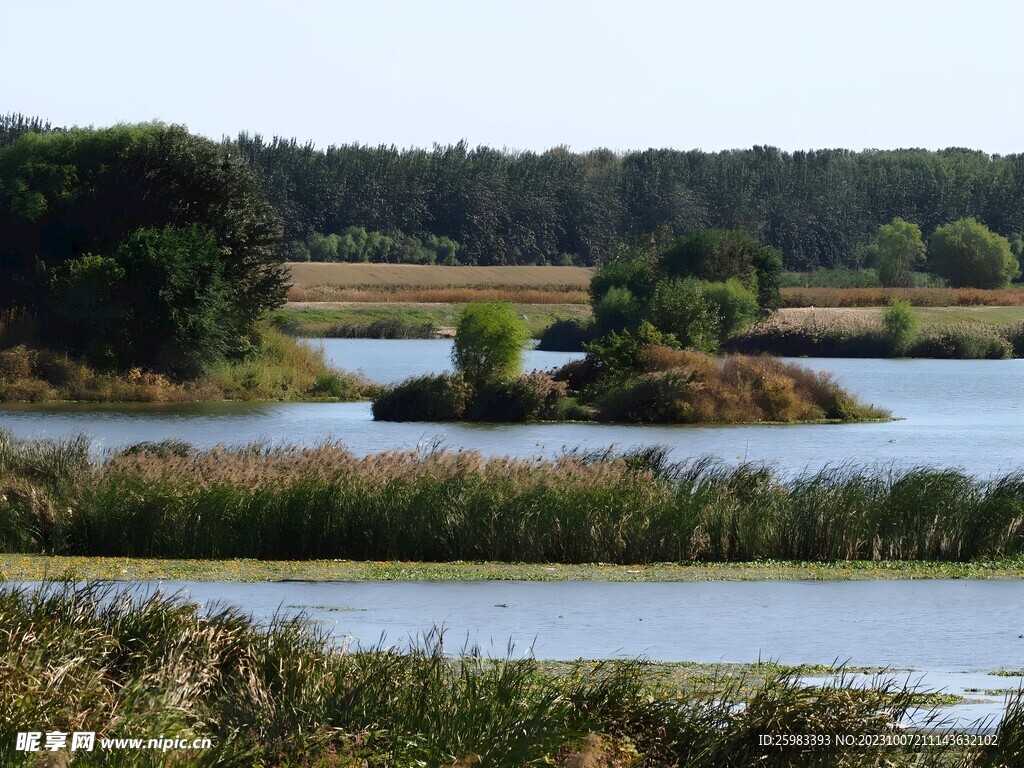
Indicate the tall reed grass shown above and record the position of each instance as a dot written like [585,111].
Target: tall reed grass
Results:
[124,664]
[169,500]
[917,297]
[859,337]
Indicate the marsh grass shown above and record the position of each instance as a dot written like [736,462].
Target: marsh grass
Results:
[279,368]
[917,297]
[826,335]
[125,664]
[324,502]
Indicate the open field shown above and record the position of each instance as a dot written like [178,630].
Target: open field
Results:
[16,568]
[306,275]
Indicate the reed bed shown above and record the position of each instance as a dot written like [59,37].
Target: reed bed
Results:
[124,664]
[170,500]
[857,334]
[918,297]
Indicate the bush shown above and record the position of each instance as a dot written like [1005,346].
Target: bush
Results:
[680,307]
[567,335]
[900,326]
[735,304]
[962,342]
[650,398]
[489,343]
[617,309]
[445,397]
[617,356]
[536,396]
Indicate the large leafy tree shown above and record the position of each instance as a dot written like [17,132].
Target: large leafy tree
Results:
[68,195]
[898,251]
[967,253]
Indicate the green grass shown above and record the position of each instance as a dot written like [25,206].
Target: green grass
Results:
[86,657]
[31,567]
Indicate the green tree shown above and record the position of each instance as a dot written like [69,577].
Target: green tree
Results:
[968,254]
[898,251]
[681,308]
[179,313]
[84,191]
[489,342]
[899,325]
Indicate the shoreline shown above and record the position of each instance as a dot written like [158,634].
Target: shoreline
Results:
[34,567]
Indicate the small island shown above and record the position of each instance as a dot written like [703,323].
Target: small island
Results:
[661,312]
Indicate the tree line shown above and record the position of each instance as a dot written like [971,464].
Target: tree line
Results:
[820,208]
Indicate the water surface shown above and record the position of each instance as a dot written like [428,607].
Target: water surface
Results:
[953,413]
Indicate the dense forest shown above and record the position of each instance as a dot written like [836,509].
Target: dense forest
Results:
[819,208]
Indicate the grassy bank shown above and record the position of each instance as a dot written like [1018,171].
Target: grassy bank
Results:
[17,567]
[169,500]
[278,369]
[87,658]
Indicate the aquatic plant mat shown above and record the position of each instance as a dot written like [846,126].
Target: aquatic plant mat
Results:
[121,664]
[15,567]
[170,500]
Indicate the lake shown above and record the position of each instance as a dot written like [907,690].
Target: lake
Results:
[952,413]
[939,634]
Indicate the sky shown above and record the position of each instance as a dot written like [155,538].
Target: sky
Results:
[530,75]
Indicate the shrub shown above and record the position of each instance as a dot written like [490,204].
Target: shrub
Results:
[617,309]
[532,397]
[489,343]
[962,342]
[680,307]
[567,335]
[900,327]
[735,304]
[663,397]
[445,397]
[617,355]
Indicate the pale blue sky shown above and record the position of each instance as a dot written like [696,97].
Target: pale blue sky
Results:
[530,75]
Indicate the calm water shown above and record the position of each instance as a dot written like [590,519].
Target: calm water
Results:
[944,635]
[963,413]
[948,625]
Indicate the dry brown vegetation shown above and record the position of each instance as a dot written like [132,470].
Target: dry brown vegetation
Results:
[333,293]
[420,276]
[918,297]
